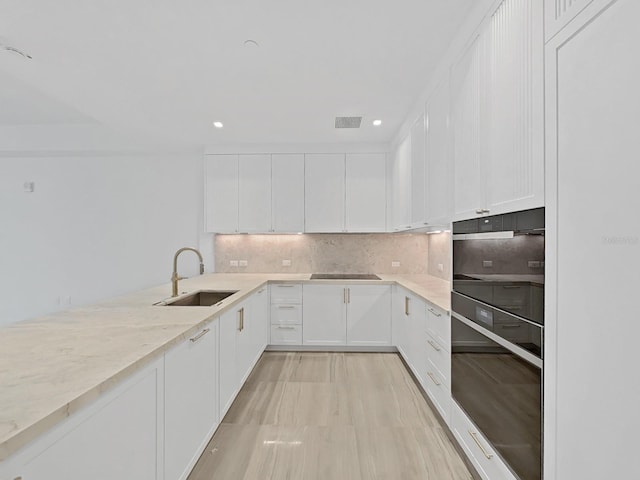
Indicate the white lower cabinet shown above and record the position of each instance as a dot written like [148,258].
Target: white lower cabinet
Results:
[358,315]
[368,315]
[286,314]
[324,315]
[416,316]
[399,323]
[191,400]
[115,437]
[477,448]
[229,384]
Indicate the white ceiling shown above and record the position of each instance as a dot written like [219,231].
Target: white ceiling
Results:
[169,68]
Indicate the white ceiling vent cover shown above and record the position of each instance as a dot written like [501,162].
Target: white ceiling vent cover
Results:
[348,122]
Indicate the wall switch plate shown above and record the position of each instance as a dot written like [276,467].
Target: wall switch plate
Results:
[286,263]
[487,263]
[395,264]
[243,263]
[533,263]
[440,267]
[233,263]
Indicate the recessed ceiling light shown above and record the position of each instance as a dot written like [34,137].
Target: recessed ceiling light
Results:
[377,123]
[218,124]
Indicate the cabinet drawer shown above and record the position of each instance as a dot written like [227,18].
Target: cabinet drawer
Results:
[439,326]
[438,390]
[286,334]
[440,358]
[477,448]
[286,314]
[286,293]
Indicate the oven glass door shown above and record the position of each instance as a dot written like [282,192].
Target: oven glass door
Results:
[502,394]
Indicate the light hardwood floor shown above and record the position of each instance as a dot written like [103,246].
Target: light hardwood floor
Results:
[326,416]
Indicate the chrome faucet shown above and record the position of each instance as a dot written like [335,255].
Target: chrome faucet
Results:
[175,277]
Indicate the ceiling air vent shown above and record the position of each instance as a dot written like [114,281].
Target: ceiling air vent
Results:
[348,122]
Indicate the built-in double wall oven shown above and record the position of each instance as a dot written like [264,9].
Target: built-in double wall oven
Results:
[497,333]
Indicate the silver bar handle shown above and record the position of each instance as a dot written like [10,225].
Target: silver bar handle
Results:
[433,377]
[199,336]
[474,435]
[406,306]
[286,307]
[511,286]
[437,314]
[434,345]
[479,211]
[285,286]
[280,327]
[348,295]
[511,325]
[344,295]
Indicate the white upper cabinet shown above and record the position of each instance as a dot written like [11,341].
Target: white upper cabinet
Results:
[401,186]
[366,202]
[418,172]
[516,150]
[497,107]
[221,193]
[560,12]
[437,157]
[287,193]
[470,130]
[254,207]
[324,193]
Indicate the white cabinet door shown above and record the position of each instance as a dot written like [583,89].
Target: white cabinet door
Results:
[368,315]
[470,128]
[287,193]
[400,324]
[437,157]
[245,340]
[324,312]
[417,317]
[366,200]
[118,440]
[324,193]
[228,378]
[254,206]
[259,322]
[191,400]
[221,193]
[418,172]
[401,186]
[592,281]
[515,160]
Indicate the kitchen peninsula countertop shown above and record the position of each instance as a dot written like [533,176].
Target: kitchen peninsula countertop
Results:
[52,366]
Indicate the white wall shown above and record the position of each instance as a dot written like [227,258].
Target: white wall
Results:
[96,226]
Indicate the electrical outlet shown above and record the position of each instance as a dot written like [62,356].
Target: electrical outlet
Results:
[533,263]
[440,267]
[29,187]
[487,263]
[233,263]
[243,263]
[286,263]
[395,264]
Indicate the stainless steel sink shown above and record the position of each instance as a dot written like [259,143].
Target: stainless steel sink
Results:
[344,276]
[204,298]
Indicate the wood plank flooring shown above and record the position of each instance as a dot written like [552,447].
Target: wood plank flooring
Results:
[326,416]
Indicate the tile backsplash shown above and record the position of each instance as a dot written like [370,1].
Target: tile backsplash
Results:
[325,253]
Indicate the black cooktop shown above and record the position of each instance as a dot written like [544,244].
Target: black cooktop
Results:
[344,276]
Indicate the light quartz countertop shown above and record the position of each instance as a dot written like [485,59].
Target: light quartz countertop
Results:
[52,366]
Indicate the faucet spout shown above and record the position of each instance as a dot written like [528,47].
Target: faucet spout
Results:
[175,277]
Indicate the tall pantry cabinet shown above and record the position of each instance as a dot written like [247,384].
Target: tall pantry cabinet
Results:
[592,387]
